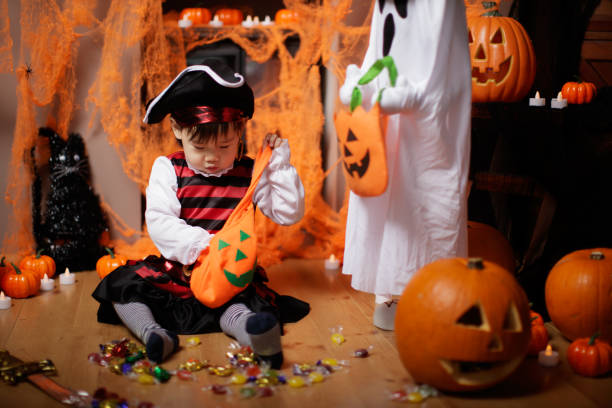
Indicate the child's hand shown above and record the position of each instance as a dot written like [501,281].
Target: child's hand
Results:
[273,140]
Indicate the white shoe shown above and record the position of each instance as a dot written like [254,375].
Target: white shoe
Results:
[384,315]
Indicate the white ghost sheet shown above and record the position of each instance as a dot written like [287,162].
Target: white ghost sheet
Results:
[422,215]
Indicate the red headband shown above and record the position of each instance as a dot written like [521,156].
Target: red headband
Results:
[195,115]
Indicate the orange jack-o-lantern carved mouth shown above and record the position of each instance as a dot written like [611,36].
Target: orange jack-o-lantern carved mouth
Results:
[491,75]
[358,167]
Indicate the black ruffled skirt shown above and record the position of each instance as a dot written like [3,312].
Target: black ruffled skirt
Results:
[161,285]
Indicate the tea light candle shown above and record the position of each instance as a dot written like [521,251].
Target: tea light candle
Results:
[5,301]
[559,102]
[46,283]
[256,20]
[537,101]
[185,22]
[67,278]
[548,357]
[248,22]
[215,22]
[267,21]
[332,262]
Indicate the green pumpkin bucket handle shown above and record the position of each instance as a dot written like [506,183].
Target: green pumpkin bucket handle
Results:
[373,72]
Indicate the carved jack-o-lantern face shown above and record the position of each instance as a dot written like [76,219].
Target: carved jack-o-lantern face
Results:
[503,60]
[361,142]
[238,266]
[462,325]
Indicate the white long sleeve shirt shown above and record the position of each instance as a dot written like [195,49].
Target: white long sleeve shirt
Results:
[279,195]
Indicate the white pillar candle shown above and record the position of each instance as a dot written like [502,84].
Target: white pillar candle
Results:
[5,301]
[184,23]
[66,278]
[536,100]
[248,22]
[46,283]
[267,21]
[559,102]
[332,262]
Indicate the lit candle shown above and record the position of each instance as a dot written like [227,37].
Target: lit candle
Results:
[5,301]
[332,262]
[215,22]
[67,278]
[46,283]
[248,22]
[185,22]
[256,20]
[537,101]
[267,21]
[548,357]
[559,102]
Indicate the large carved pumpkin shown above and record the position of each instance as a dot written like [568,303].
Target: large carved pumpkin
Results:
[503,60]
[577,293]
[227,265]
[462,324]
[486,242]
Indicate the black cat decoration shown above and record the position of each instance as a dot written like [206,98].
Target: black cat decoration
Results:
[72,224]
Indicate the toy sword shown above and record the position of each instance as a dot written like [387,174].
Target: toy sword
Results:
[14,370]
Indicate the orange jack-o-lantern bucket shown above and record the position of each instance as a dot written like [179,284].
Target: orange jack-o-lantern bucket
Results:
[361,136]
[227,266]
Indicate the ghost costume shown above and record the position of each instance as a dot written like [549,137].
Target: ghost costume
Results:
[422,215]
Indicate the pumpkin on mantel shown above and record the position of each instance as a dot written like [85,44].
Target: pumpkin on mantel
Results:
[286,17]
[578,92]
[503,60]
[577,293]
[229,16]
[197,15]
[462,324]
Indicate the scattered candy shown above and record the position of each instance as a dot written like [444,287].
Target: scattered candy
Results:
[193,341]
[337,337]
[185,375]
[316,377]
[247,392]
[296,382]
[238,379]
[146,379]
[414,393]
[414,397]
[362,352]
[219,389]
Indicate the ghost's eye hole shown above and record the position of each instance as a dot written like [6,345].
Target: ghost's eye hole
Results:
[381,5]
[498,37]
[512,321]
[402,7]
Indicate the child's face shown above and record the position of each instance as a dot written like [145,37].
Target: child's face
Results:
[214,155]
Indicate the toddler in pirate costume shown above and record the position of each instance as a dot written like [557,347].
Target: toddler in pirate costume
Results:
[190,195]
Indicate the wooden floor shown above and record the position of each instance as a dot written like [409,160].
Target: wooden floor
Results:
[61,326]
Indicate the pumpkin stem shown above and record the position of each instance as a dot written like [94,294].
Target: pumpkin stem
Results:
[110,252]
[39,252]
[17,270]
[592,339]
[597,255]
[475,263]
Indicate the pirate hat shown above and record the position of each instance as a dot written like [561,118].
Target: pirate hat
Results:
[211,84]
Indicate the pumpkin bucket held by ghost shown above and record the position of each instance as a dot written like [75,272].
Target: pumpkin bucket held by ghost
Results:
[227,265]
[462,324]
[361,138]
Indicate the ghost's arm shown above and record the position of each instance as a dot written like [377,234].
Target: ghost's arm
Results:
[402,98]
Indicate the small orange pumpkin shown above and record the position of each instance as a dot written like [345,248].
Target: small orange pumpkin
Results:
[590,357]
[227,266]
[38,264]
[536,318]
[19,284]
[229,16]
[503,60]
[577,293]
[197,15]
[462,324]
[109,263]
[578,92]
[286,17]
[539,337]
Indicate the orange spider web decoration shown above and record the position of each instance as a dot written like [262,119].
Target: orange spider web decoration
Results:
[292,106]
